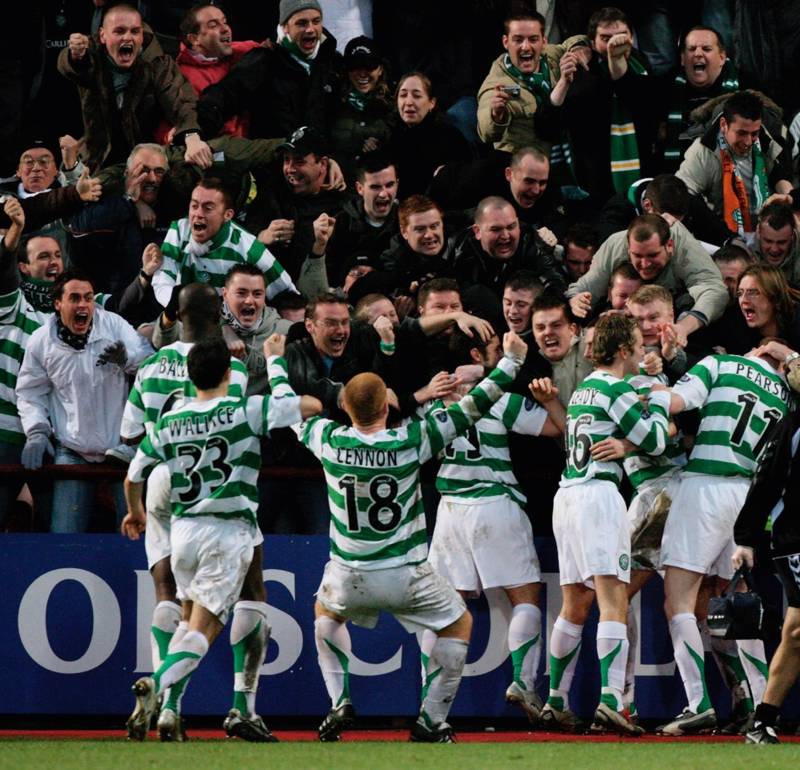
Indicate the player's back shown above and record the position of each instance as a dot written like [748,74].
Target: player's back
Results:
[377,514]
[213,451]
[162,383]
[740,398]
[477,464]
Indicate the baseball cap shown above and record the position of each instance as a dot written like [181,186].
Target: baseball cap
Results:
[303,141]
[361,53]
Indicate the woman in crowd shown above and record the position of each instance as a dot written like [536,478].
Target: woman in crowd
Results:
[769,305]
[421,142]
[361,123]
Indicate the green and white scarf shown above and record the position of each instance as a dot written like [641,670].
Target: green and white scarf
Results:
[538,83]
[625,165]
[38,293]
[727,82]
[357,100]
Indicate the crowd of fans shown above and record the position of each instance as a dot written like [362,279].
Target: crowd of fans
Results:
[376,184]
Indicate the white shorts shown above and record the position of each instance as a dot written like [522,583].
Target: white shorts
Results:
[590,524]
[647,515]
[699,531]
[415,594]
[210,558]
[484,544]
[159,514]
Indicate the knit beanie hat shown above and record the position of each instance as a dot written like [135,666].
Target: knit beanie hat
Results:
[289,8]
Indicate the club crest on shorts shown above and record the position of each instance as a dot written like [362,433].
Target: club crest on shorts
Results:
[624,561]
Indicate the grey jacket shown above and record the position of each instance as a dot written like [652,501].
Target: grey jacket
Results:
[690,270]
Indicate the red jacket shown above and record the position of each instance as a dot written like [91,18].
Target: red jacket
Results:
[202,74]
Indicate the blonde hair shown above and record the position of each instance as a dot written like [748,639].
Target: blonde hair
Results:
[650,292]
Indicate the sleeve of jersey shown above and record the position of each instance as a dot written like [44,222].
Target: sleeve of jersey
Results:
[239,376]
[167,275]
[310,433]
[522,415]
[276,278]
[148,455]
[133,416]
[695,385]
[441,427]
[9,305]
[647,427]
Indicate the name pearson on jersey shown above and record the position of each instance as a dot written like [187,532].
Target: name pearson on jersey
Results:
[373,458]
[197,424]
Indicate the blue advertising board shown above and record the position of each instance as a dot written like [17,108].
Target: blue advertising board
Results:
[76,615]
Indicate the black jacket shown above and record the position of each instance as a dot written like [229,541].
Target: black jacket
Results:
[277,91]
[353,236]
[419,150]
[777,477]
[462,185]
[483,278]
[307,374]
[276,201]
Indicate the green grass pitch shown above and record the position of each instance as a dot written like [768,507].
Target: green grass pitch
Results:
[19,754]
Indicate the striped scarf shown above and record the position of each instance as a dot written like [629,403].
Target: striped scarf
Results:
[538,83]
[678,122]
[357,100]
[735,200]
[625,165]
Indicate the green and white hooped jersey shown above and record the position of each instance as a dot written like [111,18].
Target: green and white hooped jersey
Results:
[162,383]
[640,467]
[377,515]
[213,449]
[604,406]
[740,398]
[232,245]
[18,321]
[478,463]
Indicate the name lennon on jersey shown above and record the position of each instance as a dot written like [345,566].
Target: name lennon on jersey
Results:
[375,458]
[198,424]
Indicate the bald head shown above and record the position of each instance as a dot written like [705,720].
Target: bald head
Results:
[199,306]
[497,227]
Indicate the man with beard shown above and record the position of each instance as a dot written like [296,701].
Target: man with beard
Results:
[495,248]
[206,244]
[72,387]
[127,86]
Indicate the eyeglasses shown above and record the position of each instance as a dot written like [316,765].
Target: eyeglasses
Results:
[29,163]
[749,293]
